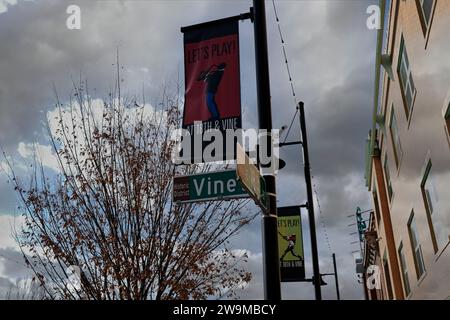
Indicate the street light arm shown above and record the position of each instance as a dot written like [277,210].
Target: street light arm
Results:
[283,144]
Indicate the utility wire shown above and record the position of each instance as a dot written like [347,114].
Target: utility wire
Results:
[290,126]
[322,218]
[283,48]
[291,82]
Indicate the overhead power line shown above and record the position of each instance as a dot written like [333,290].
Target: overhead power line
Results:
[291,81]
[322,218]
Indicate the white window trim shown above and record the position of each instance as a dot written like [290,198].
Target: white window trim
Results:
[404,268]
[445,116]
[404,87]
[418,246]
[441,249]
[446,106]
[430,22]
[386,182]
[427,23]
[398,150]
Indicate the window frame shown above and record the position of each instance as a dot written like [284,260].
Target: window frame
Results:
[395,138]
[403,57]
[387,177]
[413,235]
[425,25]
[427,205]
[377,206]
[432,208]
[404,269]
[446,115]
[447,123]
[387,276]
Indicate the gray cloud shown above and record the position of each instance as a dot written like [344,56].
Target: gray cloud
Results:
[6,286]
[13,264]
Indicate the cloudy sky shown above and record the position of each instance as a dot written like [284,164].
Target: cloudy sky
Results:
[331,56]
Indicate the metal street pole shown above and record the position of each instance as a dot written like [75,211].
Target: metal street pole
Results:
[272,287]
[336,277]
[310,204]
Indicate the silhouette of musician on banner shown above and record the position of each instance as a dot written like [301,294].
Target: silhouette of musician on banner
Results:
[291,239]
[212,77]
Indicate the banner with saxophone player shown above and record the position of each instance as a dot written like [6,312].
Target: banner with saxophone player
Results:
[212,79]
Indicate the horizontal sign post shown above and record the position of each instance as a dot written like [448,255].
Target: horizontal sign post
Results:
[220,185]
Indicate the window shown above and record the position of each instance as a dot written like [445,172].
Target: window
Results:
[404,268]
[406,79]
[447,122]
[416,247]
[377,207]
[388,178]
[433,208]
[398,152]
[387,275]
[425,12]
[387,18]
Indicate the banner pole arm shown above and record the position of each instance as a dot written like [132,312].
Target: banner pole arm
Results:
[242,16]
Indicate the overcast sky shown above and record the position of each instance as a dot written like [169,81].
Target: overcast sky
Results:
[331,56]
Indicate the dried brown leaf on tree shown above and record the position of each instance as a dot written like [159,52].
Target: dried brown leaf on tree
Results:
[109,211]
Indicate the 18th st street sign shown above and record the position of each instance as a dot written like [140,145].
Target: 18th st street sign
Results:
[250,177]
[220,185]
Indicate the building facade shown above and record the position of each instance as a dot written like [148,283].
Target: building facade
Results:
[408,153]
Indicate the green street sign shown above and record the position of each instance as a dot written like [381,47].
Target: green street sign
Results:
[221,185]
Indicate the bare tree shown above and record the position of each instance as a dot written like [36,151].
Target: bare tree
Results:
[109,210]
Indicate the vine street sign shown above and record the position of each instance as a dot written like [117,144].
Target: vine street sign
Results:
[250,178]
[221,185]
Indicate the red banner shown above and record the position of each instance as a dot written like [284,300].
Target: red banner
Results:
[212,78]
